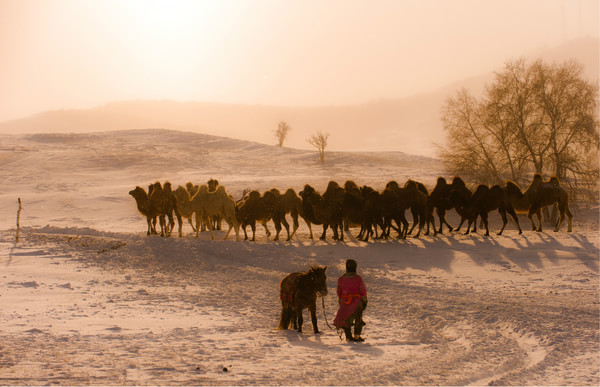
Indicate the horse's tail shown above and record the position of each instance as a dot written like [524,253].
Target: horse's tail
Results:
[284,320]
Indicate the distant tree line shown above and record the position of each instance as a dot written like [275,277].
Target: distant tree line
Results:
[534,118]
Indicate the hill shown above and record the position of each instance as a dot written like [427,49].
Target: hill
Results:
[411,125]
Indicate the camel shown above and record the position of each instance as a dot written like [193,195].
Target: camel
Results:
[261,209]
[538,195]
[353,205]
[373,213]
[417,200]
[484,200]
[393,205]
[290,203]
[316,210]
[206,205]
[212,187]
[440,199]
[159,203]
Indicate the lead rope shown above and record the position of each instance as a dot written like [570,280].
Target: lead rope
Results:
[338,331]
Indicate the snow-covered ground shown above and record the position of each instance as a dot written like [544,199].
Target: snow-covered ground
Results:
[88,298]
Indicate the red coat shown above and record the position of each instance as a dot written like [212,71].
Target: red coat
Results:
[351,290]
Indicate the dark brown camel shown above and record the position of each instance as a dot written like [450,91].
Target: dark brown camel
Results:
[316,210]
[538,195]
[483,201]
[440,199]
[289,203]
[373,214]
[256,208]
[393,202]
[417,201]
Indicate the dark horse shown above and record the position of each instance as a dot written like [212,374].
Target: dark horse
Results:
[298,292]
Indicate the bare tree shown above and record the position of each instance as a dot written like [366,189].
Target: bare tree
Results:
[319,141]
[282,131]
[534,118]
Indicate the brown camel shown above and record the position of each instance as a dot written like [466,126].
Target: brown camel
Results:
[538,195]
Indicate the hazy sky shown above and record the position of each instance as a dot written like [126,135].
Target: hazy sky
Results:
[80,53]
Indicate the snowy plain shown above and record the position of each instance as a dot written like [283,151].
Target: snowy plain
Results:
[88,299]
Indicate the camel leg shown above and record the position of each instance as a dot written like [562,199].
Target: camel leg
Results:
[462,221]
[286,225]
[231,226]
[163,225]
[309,228]
[267,229]
[484,218]
[468,227]
[504,220]
[516,219]
[253,227]
[209,224]
[245,233]
[296,225]
[149,220]
[442,216]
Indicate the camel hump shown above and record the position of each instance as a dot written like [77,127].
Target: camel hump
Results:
[554,180]
[221,190]
[458,182]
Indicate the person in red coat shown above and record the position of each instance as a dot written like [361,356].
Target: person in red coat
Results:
[352,295]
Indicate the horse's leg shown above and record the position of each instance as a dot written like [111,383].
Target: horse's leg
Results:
[284,320]
[313,316]
[299,318]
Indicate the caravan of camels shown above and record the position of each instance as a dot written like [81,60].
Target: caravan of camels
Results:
[376,213]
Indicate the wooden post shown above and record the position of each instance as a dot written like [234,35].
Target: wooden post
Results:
[19,218]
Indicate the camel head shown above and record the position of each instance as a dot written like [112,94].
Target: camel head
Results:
[141,199]
[392,185]
[307,191]
[212,185]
